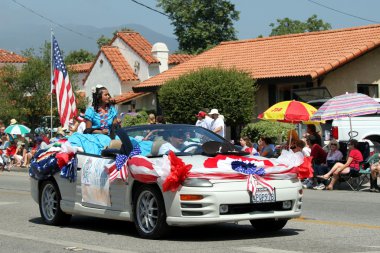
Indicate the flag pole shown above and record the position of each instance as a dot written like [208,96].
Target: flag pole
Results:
[51,82]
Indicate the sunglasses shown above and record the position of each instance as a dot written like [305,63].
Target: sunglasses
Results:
[333,144]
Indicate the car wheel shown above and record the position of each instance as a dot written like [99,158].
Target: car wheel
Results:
[149,212]
[268,225]
[49,202]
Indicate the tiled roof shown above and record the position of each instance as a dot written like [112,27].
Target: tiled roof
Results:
[119,64]
[127,96]
[297,55]
[179,58]
[80,67]
[10,57]
[139,44]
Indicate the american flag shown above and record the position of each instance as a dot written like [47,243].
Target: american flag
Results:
[122,167]
[119,168]
[61,86]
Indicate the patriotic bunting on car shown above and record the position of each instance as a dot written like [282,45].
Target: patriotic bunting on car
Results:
[172,171]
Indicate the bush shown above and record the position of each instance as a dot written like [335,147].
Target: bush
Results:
[139,118]
[230,91]
[275,130]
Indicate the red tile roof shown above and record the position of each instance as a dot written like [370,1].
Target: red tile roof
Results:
[127,96]
[297,55]
[10,57]
[179,58]
[119,64]
[80,67]
[139,44]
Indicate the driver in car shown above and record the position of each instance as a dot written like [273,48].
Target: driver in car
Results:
[175,142]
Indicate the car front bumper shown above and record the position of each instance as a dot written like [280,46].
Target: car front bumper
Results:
[239,202]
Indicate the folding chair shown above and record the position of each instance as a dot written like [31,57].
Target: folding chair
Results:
[356,179]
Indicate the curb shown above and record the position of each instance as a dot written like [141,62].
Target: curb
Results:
[19,169]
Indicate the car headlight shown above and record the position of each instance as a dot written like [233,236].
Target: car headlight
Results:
[197,182]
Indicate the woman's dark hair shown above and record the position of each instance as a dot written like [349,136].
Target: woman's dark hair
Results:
[160,120]
[248,141]
[97,97]
[267,140]
[312,128]
[354,143]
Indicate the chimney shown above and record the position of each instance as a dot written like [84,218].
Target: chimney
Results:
[161,52]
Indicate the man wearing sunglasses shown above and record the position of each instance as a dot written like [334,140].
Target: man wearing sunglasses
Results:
[174,143]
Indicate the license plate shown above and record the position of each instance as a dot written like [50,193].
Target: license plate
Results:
[263,195]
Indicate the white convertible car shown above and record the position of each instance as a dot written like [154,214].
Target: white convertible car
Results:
[171,175]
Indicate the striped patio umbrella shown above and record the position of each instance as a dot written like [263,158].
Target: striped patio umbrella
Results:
[347,105]
[17,129]
[290,111]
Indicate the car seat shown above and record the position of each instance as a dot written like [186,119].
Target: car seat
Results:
[158,141]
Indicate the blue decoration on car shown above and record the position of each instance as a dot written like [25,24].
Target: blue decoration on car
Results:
[247,168]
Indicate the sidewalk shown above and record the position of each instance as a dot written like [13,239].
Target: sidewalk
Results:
[17,169]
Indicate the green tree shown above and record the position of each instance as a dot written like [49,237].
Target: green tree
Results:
[79,56]
[231,91]
[28,89]
[103,41]
[8,78]
[199,24]
[277,131]
[289,26]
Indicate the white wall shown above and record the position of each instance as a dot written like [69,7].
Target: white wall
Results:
[363,70]
[17,65]
[76,79]
[132,58]
[105,75]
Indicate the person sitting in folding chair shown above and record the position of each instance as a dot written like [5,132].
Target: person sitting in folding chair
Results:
[374,160]
[351,166]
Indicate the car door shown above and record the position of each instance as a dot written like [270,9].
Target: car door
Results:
[93,186]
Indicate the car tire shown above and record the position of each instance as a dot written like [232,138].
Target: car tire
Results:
[149,212]
[268,225]
[49,202]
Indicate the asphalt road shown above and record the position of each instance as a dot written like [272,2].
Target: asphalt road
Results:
[332,221]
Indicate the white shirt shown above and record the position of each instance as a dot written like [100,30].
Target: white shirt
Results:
[208,121]
[164,149]
[202,123]
[81,127]
[218,122]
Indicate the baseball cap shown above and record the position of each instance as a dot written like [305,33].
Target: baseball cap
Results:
[201,114]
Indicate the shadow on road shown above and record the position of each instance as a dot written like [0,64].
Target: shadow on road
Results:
[217,232]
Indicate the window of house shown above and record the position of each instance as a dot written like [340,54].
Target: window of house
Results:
[284,91]
[371,90]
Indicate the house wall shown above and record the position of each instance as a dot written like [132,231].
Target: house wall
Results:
[76,79]
[146,103]
[138,64]
[17,65]
[262,99]
[363,70]
[127,86]
[153,70]
[105,75]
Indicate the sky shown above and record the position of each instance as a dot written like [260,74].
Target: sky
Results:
[255,15]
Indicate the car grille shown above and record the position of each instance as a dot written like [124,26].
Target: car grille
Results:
[197,209]
[259,207]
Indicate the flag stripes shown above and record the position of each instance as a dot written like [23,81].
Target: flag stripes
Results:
[61,86]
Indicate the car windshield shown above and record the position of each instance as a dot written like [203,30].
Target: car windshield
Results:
[157,140]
